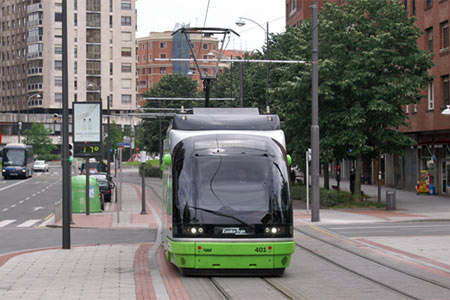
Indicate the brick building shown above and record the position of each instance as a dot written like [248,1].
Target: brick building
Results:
[161,45]
[426,124]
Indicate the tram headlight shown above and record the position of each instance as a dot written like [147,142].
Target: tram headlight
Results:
[267,230]
[274,230]
[193,230]
[200,230]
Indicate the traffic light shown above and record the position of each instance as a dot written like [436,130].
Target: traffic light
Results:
[55,118]
[70,153]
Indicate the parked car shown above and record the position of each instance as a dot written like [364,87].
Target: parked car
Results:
[105,184]
[40,165]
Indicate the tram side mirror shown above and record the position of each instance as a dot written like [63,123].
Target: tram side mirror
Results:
[167,159]
[289,159]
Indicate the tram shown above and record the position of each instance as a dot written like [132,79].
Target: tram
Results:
[226,193]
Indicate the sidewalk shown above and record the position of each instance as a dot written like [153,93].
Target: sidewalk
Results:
[410,207]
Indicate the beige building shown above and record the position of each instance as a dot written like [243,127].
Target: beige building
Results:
[102,51]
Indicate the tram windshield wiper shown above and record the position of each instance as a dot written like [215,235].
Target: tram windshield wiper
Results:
[220,214]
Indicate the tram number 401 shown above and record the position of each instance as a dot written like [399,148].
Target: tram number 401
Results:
[260,249]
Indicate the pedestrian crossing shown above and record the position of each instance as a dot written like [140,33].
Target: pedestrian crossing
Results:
[20,224]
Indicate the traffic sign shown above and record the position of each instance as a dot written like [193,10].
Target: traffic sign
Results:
[123,144]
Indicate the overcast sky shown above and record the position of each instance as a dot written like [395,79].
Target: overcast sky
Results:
[164,14]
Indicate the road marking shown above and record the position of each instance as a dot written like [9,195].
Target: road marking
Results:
[5,209]
[6,223]
[43,190]
[37,208]
[27,198]
[28,223]
[48,220]
[12,185]
[387,227]
[34,195]
[14,205]
[21,201]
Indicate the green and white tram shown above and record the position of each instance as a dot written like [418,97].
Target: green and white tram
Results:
[226,191]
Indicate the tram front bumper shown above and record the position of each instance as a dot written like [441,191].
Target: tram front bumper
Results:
[230,255]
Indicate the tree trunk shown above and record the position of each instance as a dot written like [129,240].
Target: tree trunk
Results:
[326,176]
[358,171]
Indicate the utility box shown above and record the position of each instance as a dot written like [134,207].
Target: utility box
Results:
[79,195]
[390,200]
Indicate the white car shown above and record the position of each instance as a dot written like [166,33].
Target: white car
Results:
[40,165]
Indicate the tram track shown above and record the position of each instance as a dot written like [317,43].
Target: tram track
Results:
[387,266]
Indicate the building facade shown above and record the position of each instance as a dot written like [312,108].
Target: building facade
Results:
[162,45]
[101,56]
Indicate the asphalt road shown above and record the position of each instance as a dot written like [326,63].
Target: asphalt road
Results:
[26,204]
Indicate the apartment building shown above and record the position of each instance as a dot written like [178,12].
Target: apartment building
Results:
[164,45]
[101,58]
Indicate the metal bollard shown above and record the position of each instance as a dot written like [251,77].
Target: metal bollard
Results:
[390,200]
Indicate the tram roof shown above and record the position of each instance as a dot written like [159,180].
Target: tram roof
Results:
[206,118]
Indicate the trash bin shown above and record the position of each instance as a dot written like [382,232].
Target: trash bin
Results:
[79,195]
[390,200]
[432,189]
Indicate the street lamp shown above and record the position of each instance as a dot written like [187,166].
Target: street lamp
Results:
[446,111]
[241,23]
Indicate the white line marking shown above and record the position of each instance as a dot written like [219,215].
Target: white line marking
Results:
[14,205]
[27,198]
[6,223]
[50,220]
[43,190]
[10,186]
[21,201]
[34,195]
[28,223]
[5,209]
[387,227]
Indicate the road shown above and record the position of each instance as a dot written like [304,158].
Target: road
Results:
[26,205]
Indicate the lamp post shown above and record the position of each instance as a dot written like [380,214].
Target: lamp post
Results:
[240,23]
[37,96]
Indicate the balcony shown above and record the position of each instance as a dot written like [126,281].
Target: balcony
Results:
[34,71]
[34,55]
[32,39]
[35,87]
[34,23]
[34,7]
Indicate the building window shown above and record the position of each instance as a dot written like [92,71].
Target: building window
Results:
[293,5]
[445,91]
[58,81]
[126,21]
[93,5]
[150,57]
[125,4]
[405,2]
[126,68]
[126,83]
[126,36]
[444,35]
[430,95]
[429,4]
[162,70]
[413,7]
[205,46]
[126,99]
[58,65]
[58,17]
[126,51]
[75,19]
[429,34]
[58,49]
[407,109]
[93,20]
[93,67]
[163,55]
[93,35]
[143,84]
[163,45]
[93,51]
[58,97]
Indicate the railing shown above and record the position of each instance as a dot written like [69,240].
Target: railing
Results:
[32,39]
[34,86]
[34,23]
[33,7]
[34,54]
[32,71]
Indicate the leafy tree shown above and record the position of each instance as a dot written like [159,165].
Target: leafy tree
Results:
[116,136]
[172,85]
[370,65]
[39,137]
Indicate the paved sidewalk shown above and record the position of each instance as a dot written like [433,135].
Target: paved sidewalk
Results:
[410,207]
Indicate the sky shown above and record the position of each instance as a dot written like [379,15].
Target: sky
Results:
[162,15]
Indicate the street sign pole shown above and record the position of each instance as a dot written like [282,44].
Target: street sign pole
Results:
[88,198]
[143,159]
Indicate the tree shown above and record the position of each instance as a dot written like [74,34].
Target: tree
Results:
[370,66]
[39,137]
[172,85]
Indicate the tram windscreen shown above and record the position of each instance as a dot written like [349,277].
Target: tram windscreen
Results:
[244,187]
